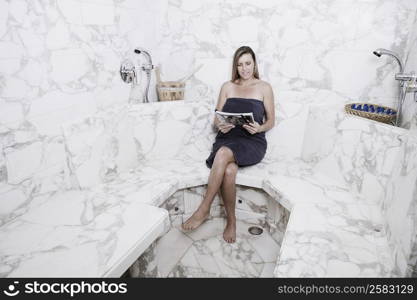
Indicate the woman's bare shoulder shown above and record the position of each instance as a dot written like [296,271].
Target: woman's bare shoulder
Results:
[264,84]
[227,85]
[266,89]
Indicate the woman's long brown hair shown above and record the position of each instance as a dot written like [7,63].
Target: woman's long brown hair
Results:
[239,52]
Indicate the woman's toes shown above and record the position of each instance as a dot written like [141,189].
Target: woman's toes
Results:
[185,226]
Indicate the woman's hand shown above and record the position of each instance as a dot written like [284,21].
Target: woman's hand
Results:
[225,127]
[252,128]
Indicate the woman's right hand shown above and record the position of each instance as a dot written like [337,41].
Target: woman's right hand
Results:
[225,127]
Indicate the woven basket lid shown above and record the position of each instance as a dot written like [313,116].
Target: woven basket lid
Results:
[177,84]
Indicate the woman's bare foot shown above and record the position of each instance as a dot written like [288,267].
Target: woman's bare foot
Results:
[229,234]
[198,217]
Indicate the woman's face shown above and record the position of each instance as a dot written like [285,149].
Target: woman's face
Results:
[245,66]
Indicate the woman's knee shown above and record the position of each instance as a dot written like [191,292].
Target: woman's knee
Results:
[224,154]
[231,171]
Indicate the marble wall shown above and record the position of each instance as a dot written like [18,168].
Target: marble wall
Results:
[300,44]
[312,52]
[377,162]
[400,201]
[59,62]
[103,146]
[400,208]
[356,153]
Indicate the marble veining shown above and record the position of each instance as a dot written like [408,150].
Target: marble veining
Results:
[343,213]
[204,254]
[69,138]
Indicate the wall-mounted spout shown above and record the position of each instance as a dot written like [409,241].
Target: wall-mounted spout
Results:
[380,51]
[406,81]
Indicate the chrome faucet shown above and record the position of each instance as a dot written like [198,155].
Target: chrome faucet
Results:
[147,68]
[407,81]
[380,51]
[128,71]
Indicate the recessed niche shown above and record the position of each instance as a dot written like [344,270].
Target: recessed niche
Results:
[203,252]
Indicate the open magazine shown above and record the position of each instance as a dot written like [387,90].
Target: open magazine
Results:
[235,118]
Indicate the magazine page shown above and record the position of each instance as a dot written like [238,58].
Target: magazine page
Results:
[237,119]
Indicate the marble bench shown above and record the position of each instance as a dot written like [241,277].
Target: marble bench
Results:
[124,163]
[78,234]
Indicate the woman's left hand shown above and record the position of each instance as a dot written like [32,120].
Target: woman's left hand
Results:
[252,128]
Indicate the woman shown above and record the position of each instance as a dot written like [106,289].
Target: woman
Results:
[236,146]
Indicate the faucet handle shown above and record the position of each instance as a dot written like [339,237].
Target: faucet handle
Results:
[411,86]
[128,72]
[147,67]
[405,76]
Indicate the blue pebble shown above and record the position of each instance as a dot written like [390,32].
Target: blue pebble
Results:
[371,108]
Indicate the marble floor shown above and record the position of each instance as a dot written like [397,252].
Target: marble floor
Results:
[204,253]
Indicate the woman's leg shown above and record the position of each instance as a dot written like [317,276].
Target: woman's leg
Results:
[228,190]
[223,157]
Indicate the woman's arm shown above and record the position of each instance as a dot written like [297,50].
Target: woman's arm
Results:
[269,109]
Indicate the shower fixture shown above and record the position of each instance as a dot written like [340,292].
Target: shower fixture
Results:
[380,51]
[147,68]
[128,71]
[408,81]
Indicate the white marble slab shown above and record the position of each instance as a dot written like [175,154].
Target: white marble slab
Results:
[377,162]
[94,238]
[324,241]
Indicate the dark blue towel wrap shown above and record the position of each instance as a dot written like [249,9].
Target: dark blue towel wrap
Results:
[247,149]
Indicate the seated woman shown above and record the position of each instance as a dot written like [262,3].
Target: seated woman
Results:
[236,146]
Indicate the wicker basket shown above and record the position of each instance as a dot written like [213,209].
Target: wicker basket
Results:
[170,90]
[376,116]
